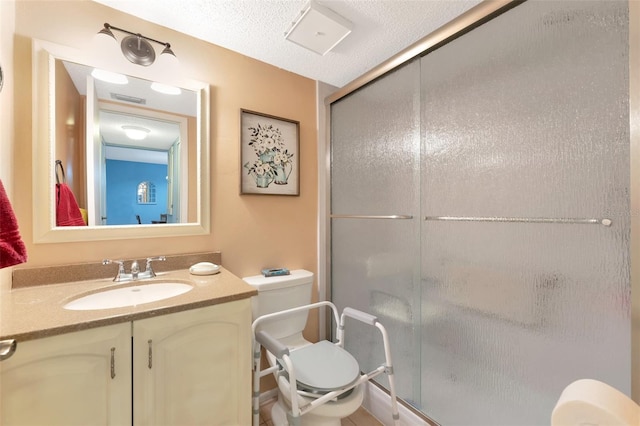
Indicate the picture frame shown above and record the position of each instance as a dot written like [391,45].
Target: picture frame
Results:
[269,154]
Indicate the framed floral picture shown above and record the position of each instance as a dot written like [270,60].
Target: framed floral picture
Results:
[269,154]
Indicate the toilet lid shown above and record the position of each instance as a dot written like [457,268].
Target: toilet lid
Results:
[324,366]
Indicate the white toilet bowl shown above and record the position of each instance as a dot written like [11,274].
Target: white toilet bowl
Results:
[330,413]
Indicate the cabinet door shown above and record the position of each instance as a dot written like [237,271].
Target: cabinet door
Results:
[194,367]
[81,378]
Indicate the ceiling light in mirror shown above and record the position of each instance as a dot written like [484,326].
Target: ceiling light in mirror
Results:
[109,77]
[136,133]
[165,88]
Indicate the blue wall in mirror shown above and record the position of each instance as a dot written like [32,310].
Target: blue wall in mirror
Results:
[123,178]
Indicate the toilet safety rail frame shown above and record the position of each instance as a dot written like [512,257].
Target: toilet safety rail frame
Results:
[281,352]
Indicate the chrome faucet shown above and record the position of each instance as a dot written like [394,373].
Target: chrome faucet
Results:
[148,270]
[121,275]
[135,269]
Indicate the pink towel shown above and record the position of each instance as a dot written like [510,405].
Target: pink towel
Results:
[67,210]
[12,248]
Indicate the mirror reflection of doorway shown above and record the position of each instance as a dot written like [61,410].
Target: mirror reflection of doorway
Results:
[150,155]
[136,185]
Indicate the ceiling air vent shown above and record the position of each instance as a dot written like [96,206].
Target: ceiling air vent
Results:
[126,98]
[318,28]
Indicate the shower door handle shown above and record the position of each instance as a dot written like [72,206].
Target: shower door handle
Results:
[360,216]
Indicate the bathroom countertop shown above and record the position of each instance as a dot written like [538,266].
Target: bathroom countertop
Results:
[36,312]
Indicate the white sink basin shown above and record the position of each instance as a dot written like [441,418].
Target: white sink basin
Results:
[128,296]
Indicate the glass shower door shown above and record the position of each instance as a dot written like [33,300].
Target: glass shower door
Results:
[525,132]
[375,236]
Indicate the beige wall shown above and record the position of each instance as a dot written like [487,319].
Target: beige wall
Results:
[7,25]
[252,231]
[69,135]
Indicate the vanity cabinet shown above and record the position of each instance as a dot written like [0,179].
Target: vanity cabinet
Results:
[187,368]
[194,367]
[79,378]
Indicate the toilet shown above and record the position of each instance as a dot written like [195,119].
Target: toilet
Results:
[289,291]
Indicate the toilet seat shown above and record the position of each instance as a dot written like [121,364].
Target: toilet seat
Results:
[323,367]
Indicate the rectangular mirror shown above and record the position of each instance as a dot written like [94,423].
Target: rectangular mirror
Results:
[114,139]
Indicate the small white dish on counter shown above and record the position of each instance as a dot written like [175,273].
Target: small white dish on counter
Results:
[204,268]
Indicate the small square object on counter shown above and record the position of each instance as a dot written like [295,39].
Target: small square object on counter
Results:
[274,272]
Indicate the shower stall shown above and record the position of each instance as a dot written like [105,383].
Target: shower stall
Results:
[480,204]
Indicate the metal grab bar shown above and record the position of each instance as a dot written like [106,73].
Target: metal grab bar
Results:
[605,222]
[360,216]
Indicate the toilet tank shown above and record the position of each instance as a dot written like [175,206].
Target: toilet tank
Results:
[279,293]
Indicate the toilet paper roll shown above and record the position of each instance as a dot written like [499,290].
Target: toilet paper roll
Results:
[589,402]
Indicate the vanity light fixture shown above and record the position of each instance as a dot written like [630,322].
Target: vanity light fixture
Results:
[109,76]
[165,88]
[136,47]
[136,133]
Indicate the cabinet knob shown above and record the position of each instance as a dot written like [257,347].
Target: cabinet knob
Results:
[7,348]
[150,342]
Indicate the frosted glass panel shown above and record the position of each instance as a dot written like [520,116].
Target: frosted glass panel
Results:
[525,116]
[375,151]
[512,313]
[374,270]
[375,147]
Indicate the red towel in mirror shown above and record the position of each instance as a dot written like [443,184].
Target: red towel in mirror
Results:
[67,210]
[12,248]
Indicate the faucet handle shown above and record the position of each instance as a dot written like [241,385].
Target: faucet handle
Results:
[120,267]
[148,268]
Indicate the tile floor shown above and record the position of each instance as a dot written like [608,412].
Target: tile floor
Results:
[359,418]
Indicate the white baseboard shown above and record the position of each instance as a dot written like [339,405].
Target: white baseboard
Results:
[378,403]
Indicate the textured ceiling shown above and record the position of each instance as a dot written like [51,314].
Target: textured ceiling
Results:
[255,28]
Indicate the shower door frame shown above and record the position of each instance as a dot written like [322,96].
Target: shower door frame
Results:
[466,22]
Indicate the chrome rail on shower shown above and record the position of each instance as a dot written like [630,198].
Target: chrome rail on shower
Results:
[360,216]
[605,222]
